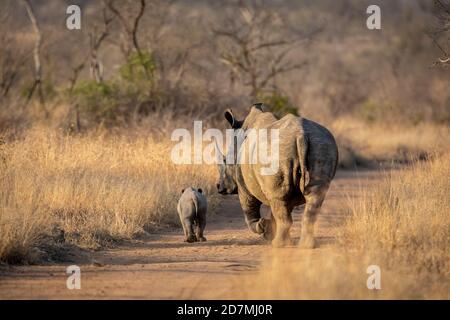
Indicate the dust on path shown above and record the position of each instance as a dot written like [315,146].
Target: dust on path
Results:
[162,266]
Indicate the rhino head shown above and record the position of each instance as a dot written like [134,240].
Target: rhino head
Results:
[227,171]
[227,181]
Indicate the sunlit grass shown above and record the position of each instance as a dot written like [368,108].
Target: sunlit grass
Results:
[95,188]
[402,225]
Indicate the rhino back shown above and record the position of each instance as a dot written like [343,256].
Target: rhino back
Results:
[192,201]
[258,119]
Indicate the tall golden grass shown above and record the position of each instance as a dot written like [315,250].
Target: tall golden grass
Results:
[383,142]
[402,225]
[89,189]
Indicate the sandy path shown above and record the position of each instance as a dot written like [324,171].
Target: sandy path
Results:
[161,266]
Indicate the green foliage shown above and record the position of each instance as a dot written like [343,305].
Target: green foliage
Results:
[279,104]
[97,101]
[92,89]
[111,102]
[138,83]
[138,67]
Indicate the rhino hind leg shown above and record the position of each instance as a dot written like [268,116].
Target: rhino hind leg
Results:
[189,230]
[201,223]
[314,199]
[185,229]
[270,227]
[283,222]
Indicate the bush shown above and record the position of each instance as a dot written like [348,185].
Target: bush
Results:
[138,67]
[97,102]
[279,104]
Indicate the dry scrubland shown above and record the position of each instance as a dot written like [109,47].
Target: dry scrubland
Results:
[84,144]
[88,190]
[360,142]
[402,225]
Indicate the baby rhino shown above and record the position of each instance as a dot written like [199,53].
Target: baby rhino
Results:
[192,211]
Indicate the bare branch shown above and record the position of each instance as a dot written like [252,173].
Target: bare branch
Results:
[252,50]
[37,54]
[136,25]
[130,29]
[442,30]
[95,43]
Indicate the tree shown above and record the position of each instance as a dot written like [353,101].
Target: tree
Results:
[130,27]
[96,38]
[253,50]
[37,84]
[441,32]
[12,57]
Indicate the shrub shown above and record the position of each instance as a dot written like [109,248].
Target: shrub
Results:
[279,104]
[97,101]
[138,67]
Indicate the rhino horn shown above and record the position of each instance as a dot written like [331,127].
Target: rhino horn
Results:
[219,154]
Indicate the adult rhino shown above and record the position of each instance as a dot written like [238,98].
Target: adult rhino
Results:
[308,158]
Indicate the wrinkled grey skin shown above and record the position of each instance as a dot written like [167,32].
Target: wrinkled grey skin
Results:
[192,208]
[308,161]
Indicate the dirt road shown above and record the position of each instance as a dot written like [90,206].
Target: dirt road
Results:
[161,266]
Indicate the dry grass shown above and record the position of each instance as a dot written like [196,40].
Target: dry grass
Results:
[405,222]
[403,226]
[88,190]
[391,143]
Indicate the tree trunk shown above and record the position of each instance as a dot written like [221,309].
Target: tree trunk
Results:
[37,85]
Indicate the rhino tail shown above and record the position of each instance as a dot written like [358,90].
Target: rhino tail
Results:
[302,149]
[194,201]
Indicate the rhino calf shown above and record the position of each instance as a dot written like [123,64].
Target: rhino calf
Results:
[191,209]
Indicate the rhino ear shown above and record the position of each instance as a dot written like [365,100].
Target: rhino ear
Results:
[230,117]
[234,123]
[259,106]
[200,190]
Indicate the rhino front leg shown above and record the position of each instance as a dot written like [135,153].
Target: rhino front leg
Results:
[283,219]
[250,207]
[314,200]
[254,221]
